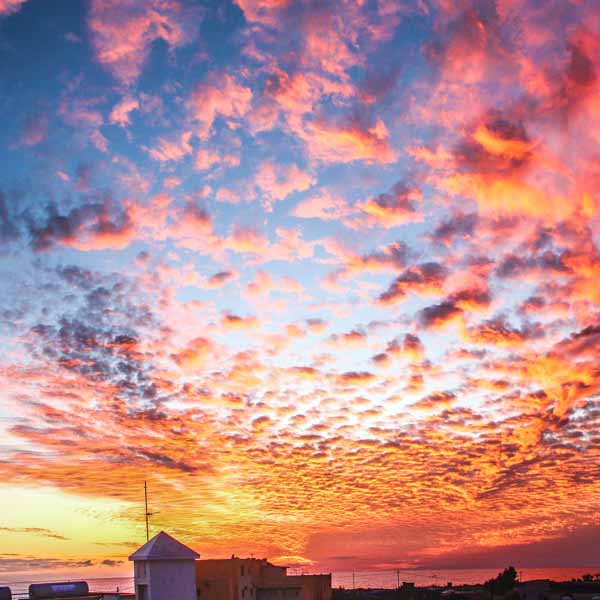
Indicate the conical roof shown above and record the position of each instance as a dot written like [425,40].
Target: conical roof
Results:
[164,547]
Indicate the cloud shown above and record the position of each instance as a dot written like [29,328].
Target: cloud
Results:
[195,355]
[48,533]
[172,149]
[395,208]
[423,279]
[350,139]
[435,401]
[34,131]
[215,285]
[27,564]
[92,226]
[324,205]
[459,225]
[123,31]
[439,315]
[218,96]
[279,181]
[9,224]
[8,7]
[219,279]
[120,112]
[498,332]
[568,549]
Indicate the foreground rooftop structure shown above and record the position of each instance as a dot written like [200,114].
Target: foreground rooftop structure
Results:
[166,569]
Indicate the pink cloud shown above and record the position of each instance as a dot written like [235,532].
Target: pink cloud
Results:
[207,158]
[221,96]
[395,208]
[121,111]
[347,141]
[324,205]
[123,31]
[279,181]
[34,131]
[172,149]
[261,11]
[8,7]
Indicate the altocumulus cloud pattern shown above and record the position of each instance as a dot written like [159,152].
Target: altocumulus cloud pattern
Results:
[325,274]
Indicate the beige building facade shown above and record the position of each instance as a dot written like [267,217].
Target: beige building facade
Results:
[256,579]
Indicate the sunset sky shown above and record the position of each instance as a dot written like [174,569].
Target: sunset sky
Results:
[325,274]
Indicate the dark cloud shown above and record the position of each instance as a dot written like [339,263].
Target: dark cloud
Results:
[498,331]
[108,562]
[418,278]
[576,548]
[475,155]
[219,279]
[438,314]
[9,229]
[97,333]
[41,531]
[514,265]
[436,400]
[83,225]
[167,461]
[19,564]
[396,206]
[581,72]
[581,342]
[458,225]
[34,131]
[379,82]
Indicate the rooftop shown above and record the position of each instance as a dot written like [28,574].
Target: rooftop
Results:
[164,547]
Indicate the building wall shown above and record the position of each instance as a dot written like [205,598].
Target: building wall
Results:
[241,573]
[314,587]
[166,579]
[214,589]
[279,593]
[245,575]
[256,579]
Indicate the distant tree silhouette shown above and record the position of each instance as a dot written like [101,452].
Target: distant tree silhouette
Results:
[504,582]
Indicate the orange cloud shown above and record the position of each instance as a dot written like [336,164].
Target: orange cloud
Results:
[395,208]
[195,355]
[348,141]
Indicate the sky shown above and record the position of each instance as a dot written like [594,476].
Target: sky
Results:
[324,274]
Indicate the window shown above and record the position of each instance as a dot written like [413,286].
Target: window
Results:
[142,592]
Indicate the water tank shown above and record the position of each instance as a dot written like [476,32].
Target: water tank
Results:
[37,591]
[5,593]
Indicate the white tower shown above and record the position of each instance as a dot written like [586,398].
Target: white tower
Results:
[164,569]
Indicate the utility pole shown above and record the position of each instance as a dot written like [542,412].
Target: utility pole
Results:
[353,583]
[398,577]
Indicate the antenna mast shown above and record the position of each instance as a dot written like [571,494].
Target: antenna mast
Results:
[146,513]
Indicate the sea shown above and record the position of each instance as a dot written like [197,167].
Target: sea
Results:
[383,579]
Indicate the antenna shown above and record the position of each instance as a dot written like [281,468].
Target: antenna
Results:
[146,513]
